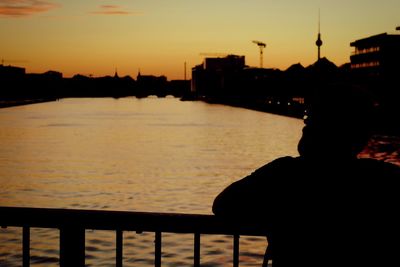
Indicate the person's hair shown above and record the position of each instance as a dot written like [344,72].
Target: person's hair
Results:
[339,119]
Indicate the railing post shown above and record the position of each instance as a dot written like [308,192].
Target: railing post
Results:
[236,250]
[72,247]
[119,248]
[196,256]
[157,253]
[26,246]
[267,255]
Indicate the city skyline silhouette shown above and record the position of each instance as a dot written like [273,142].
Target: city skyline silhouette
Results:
[94,38]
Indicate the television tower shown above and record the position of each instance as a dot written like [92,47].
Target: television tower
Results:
[319,41]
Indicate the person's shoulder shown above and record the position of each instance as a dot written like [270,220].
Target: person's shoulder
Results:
[278,165]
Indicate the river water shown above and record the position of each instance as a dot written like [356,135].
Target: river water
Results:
[153,155]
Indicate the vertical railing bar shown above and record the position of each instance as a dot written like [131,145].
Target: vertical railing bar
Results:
[119,248]
[157,253]
[196,256]
[267,255]
[72,246]
[236,250]
[26,246]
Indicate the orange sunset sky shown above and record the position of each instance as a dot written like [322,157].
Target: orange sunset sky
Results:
[95,37]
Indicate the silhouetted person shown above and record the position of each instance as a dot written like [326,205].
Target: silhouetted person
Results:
[325,207]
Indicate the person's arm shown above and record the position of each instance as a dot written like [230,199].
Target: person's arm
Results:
[239,198]
[251,195]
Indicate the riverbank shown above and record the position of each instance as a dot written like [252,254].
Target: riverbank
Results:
[20,102]
[277,106]
[384,144]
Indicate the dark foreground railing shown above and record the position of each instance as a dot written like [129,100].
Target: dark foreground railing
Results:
[72,225]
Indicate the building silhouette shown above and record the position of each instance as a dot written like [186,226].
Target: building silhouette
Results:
[375,65]
[151,85]
[216,75]
[377,56]
[8,73]
[12,82]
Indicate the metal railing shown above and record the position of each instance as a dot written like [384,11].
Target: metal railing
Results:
[73,223]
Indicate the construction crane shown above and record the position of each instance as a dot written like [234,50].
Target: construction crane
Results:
[261,45]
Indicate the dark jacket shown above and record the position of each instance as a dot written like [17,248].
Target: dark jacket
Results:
[320,213]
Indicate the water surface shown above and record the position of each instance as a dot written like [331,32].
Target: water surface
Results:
[156,155]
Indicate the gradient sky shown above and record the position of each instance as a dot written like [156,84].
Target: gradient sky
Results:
[158,36]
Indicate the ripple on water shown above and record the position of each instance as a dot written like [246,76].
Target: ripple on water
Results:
[141,262]
[99,242]
[91,248]
[43,259]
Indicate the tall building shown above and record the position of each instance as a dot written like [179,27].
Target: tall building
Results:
[216,75]
[228,63]
[375,64]
[377,56]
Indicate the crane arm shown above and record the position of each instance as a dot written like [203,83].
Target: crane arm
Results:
[261,44]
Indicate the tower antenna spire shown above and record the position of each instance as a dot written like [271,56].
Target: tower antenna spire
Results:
[319,20]
[319,41]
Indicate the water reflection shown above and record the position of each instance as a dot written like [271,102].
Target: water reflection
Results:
[150,154]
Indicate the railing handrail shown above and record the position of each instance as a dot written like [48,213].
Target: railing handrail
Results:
[72,224]
[126,221]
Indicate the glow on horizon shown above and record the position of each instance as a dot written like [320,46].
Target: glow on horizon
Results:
[94,37]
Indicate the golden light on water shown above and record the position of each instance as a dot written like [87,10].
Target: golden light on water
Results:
[152,155]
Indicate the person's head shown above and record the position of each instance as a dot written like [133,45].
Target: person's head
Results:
[337,123]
